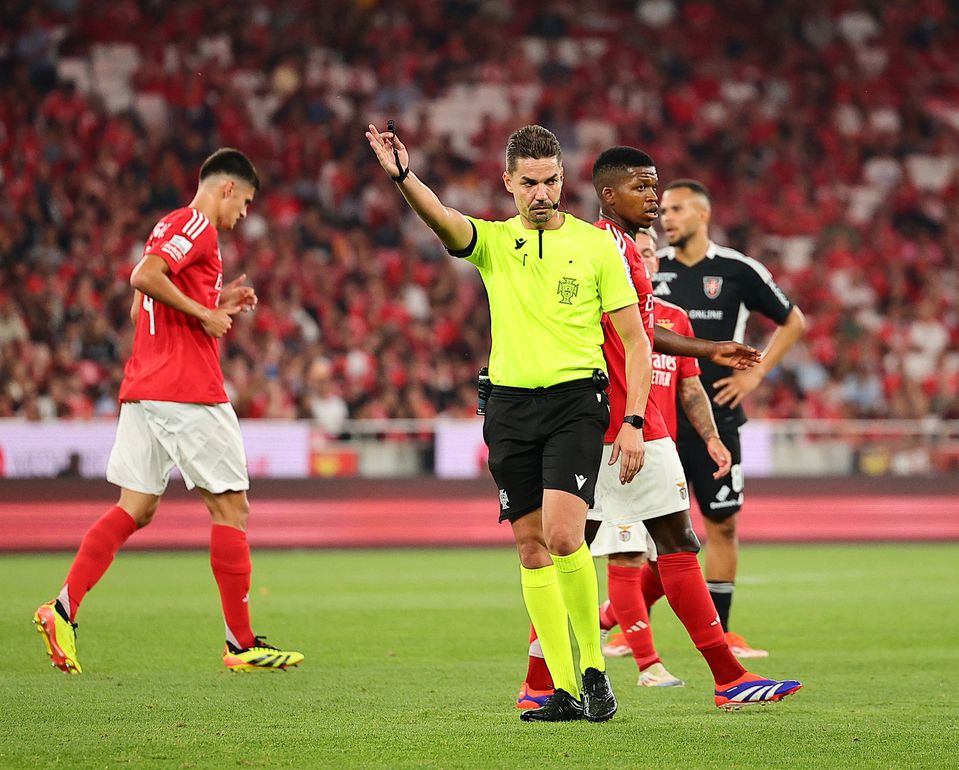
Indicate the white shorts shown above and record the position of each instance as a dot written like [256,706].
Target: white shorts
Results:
[202,440]
[623,538]
[658,489]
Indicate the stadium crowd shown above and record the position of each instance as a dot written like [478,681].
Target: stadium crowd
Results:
[828,133]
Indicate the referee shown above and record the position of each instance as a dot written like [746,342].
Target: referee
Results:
[549,277]
[719,287]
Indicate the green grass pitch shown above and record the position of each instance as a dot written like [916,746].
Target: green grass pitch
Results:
[413,659]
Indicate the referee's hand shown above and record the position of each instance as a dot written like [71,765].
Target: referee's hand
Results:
[630,450]
[383,143]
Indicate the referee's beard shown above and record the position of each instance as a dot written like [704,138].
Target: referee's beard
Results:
[541,214]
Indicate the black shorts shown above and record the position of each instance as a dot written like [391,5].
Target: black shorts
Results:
[547,438]
[718,498]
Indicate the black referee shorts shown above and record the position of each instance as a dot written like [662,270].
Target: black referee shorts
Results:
[544,438]
[718,498]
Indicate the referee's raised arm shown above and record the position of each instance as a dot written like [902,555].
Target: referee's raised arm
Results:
[452,228]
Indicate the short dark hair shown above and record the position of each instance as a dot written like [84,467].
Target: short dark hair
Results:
[532,142]
[615,161]
[691,184]
[233,163]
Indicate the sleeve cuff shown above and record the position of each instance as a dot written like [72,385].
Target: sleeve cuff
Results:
[468,251]
[620,304]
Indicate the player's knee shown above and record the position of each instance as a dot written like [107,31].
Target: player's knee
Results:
[690,543]
[532,554]
[148,514]
[674,533]
[231,509]
[681,542]
[143,514]
[725,529]
[635,559]
[563,542]
[239,515]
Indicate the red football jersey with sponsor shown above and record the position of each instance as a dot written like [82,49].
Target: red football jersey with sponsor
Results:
[669,370]
[173,358]
[613,350]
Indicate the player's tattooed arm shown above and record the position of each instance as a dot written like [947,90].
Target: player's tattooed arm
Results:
[699,411]
[692,395]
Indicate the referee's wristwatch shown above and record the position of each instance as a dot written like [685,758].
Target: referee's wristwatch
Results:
[635,420]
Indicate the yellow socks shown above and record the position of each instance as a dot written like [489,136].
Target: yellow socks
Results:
[576,577]
[546,609]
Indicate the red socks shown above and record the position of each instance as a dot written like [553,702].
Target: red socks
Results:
[537,674]
[651,585]
[607,618]
[687,594]
[627,603]
[230,560]
[95,555]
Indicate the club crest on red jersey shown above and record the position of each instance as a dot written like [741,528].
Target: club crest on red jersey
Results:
[712,285]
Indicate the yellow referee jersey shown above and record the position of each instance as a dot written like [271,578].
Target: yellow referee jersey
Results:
[547,292]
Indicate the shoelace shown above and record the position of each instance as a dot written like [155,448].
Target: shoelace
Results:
[594,684]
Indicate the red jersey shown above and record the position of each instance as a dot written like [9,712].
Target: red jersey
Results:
[613,350]
[173,358]
[669,370]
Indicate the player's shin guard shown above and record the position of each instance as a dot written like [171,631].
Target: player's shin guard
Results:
[626,597]
[544,603]
[687,594]
[230,561]
[576,576]
[95,555]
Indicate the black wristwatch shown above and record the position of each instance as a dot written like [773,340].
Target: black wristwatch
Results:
[635,420]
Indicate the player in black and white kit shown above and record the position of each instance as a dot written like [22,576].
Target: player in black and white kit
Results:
[719,287]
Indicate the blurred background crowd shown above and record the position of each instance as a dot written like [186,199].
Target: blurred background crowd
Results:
[828,133]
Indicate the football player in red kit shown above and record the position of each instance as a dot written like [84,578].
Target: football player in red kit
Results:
[175,411]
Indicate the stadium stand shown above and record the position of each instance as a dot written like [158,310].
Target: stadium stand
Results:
[827,131]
